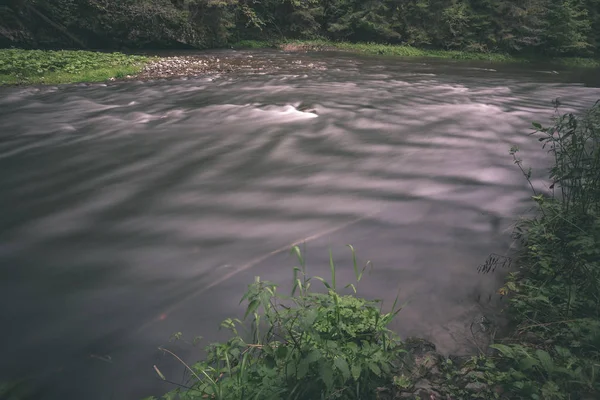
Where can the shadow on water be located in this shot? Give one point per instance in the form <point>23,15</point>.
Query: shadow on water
<point>132,211</point>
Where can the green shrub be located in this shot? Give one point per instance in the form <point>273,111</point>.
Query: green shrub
<point>309,345</point>
<point>554,351</point>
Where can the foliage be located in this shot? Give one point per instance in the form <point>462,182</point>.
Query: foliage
<point>554,352</point>
<point>31,66</point>
<point>410,51</point>
<point>310,345</point>
<point>541,27</point>
<point>406,51</point>
<point>39,62</point>
<point>252,44</point>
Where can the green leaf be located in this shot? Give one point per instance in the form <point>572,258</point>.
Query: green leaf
<point>291,368</point>
<point>310,318</point>
<point>296,281</point>
<point>563,352</point>
<point>351,285</point>
<point>324,282</point>
<point>545,360</point>
<point>297,285</point>
<point>281,352</point>
<point>327,375</point>
<point>302,369</point>
<point>298,253</point>
<point>356,370</point>
<point>332,268</point>
<point>269,362</point>
<point>342,365</point>
<point>357,274</point>
<point>313,356</point>
<point>251,308</point>
<point>536,125</point>
<point>505,350</point>
<point>375,368</point>
<point>528,363</point>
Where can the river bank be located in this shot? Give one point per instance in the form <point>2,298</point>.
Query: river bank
<point>31,67</point>
<point>409,51</point>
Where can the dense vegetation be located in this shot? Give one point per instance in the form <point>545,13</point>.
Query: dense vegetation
<point>541,27</point>
<point>554,352</point>
<point>37,66</point>
<point>327,345</point>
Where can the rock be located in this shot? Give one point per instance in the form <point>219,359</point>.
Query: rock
<point>475,375</point>
<point>476,387</point>
<point>435,373</point>
<point>383,394</point>
<point>418,345</point>
<point>425,363</point>
<point>429,359</point>
<point>459,361</point>
<point>425,390</point>
<point>427,394</point>
<point>423,384</point>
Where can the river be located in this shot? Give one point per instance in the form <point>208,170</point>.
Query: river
<point>134,210</point>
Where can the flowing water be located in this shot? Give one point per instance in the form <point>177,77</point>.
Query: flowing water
<point>135,210</point>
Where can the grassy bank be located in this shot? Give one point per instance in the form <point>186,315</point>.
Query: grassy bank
<point>333,344</point>
<point>408,51</point>
<point>54,67</point>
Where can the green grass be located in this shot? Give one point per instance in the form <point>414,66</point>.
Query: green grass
<point>409,51</point>
<point>54,67</point>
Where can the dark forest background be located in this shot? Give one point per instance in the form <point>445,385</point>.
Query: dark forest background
<point>532,27</point>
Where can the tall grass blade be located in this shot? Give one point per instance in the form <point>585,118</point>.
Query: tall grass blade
<point>332,267</point>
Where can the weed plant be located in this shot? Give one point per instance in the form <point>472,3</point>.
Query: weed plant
<point>308,345</point>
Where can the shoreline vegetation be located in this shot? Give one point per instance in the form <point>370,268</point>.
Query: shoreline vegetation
<point>31,67</point>
<point>410,51</point>
<point>330,343</point>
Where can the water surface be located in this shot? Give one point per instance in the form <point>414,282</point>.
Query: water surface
<point>135,210</point>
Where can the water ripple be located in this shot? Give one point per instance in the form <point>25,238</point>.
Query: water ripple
<point>124,200</point>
